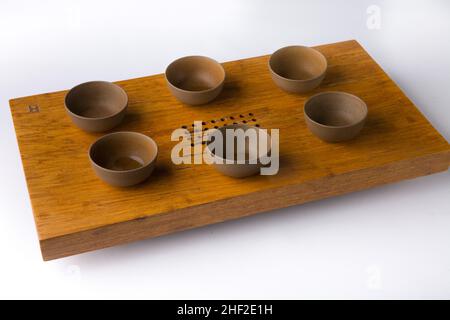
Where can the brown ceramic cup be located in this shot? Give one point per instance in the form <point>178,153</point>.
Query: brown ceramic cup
<point>297,69</point>
<point>96,106</point>
<point>195,80</point>
<point>230,166</point>
<point>335,116</point>
<point>123,158</point>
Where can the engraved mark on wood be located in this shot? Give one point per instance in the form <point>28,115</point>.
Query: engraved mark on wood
<point>33,108</point>
<point>244,118</point>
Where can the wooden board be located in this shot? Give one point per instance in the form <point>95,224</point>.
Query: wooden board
<point>75,212</point>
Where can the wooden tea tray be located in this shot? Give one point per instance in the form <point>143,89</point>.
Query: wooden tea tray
<point>76,212</point>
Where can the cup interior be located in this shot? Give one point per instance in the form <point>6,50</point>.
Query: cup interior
<point>123,151</point>
<point>96,99</point>
<point>335,109</point>
<point>248,148</point>
<point>195,73</point>
<point>298,63</point>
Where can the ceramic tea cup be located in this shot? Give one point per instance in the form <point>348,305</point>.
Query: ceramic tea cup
<point>96,106</point>
<point>335,116</point>
<point>195,80</point>
<point>249,154</point>
<point>123,158</point>
<point>297,69</point>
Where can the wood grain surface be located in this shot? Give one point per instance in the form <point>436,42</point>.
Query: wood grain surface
<point>75,212</point>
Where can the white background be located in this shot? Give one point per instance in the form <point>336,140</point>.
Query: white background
<point>388,242</point>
